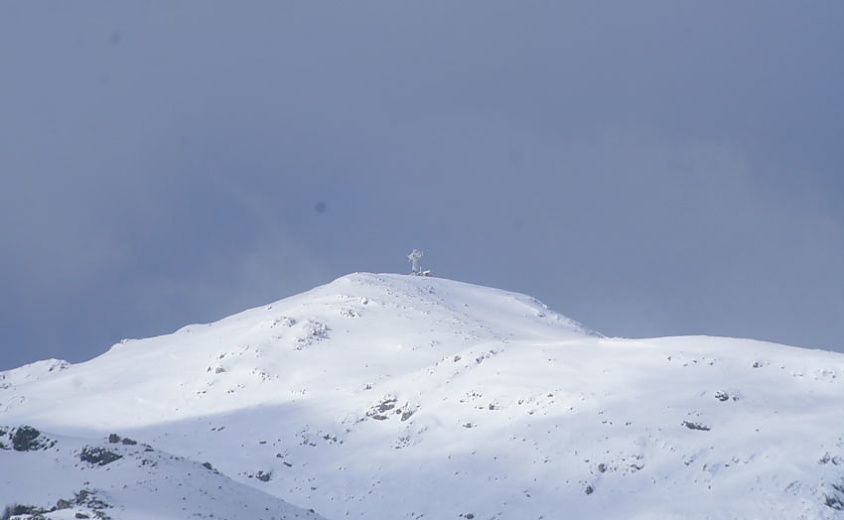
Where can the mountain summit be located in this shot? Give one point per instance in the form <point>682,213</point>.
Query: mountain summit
<point>404,397</point>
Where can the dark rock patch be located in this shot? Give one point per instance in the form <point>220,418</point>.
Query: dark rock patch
<point>723,396</point>
<point>24,438</point>
<point>89,499</point>
<point>83,498</point>
<point>835,500</point>
<point>27,438</point>
<point>98,456</point>
<point>829,459</point>
<point>18,510</point>
<point>379,411</point>
<point>696,426</point>
<point>117,439</point>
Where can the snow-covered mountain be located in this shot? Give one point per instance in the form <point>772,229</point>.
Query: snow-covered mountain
<point>400,397</point>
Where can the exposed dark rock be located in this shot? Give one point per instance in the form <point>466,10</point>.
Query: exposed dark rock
<point>386,405</point>
<point>87,498</point>
<point>24,438</point>
<point>18,509</point>
<point>114,438</point>
<point>696,426</point>
<point>724,396</point>
<point>829,459</point>
<point>379,411</point>
<point>208,466</point>
<point>589,490</point>
<point>98,456</point>
<point>836,499</point>
<point>834,502</point>
<point>331,438</point>
<point>264,477</point>
<point>27,438</point>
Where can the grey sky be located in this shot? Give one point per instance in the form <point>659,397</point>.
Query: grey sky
<point>647,168</point>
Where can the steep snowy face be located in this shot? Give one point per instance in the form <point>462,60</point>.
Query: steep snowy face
<point>388,396</point>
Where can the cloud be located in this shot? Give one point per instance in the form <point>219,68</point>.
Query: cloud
<point>652,169</point>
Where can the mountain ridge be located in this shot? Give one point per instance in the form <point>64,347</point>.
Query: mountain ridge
<point>370,395</point>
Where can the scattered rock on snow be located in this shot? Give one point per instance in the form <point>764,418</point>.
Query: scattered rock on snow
<point>379,411</point>
<point>696,426</point>
<point>98,456</point>
<point>27,438</point>
<point>117,439</point>
<point>829,459</point>
<point>835,498</point>
<point>722,396</point>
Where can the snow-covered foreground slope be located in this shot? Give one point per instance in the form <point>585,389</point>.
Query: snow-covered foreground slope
<point>391,397</point>
<point>60,477</point>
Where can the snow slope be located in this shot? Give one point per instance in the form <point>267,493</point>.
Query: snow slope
<point>121,478</point>
<point>398,397</point>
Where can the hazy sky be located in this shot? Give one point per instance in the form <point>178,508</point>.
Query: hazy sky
<point>647,168</point>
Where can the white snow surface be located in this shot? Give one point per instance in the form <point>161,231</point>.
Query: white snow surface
<point>142,484</point>
<point>403,397</point>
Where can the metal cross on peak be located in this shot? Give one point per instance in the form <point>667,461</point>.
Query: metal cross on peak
<point>415,258</point>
